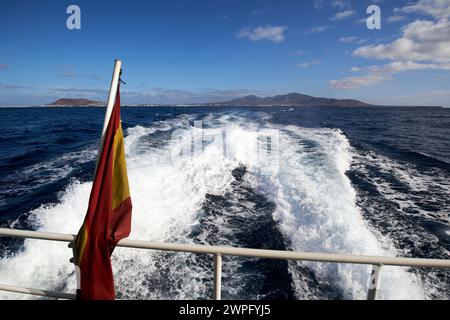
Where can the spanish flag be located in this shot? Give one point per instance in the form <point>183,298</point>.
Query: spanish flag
<point>108,218</point>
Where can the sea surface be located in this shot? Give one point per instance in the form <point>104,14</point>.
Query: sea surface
<point>339,180</point>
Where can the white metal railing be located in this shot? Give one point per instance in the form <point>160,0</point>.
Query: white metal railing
<point>376,261</point>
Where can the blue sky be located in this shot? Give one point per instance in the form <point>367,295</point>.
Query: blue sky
<point>199,51</point>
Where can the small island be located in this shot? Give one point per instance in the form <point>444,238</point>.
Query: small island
<point>65,102</point>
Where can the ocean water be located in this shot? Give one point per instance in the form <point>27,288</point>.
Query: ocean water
<point>359,181</point>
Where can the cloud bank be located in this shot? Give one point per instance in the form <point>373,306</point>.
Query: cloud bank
<point>424,45</point>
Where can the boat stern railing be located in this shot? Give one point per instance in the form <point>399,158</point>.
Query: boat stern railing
<point>218,252</point>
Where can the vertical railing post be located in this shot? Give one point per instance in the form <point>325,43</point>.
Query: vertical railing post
<point>374,283</point>
<point>73,260</point>
<point>217,276</point>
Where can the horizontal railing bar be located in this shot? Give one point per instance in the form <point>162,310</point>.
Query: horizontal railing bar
<point>255,253</point>
<point>38,292</point>
<point>62,237</point>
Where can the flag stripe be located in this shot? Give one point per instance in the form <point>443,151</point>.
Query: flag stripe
<point>120,186</point>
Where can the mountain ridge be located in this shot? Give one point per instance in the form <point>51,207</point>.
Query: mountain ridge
<point>292,99</point>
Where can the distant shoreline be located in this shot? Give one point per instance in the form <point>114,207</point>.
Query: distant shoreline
<point>219,106</point>
<point>289,100</point>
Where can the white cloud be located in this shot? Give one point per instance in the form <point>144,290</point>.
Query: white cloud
<point>356,82</point>
<point>303,65</point>
<point>317,29</point>
<point>348,39</point>
<point>352,39</point>
<point>438,9</point>
<point>395,18</point>
<point>307,64</point>
<point>342,15</point>
<point>422,41</point>
<point>402,66</point>
<point>341,4</point>
<point>377,74</point>
<point>268,32</point>
<point>424,45</point>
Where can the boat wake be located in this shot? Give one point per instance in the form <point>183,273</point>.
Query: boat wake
<point>300,199</point>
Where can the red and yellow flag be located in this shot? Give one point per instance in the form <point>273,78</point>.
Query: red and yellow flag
<point>108,218</point>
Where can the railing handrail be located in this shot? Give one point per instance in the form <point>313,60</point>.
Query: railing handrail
<point>246,252</point>
<point>218,251</point>
<point>38,292</point>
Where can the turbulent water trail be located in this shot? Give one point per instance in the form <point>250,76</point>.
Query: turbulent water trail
<point>316,210</point>
<point>305,203</point>
<point>407,205</point>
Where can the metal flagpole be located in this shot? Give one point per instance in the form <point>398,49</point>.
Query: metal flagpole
<point>109,108</point>
<point>110,105</point>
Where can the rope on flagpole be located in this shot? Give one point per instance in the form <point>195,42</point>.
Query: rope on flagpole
<point>120,77</point>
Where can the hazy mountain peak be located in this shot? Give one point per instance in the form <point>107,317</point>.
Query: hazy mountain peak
<point>293,99</point>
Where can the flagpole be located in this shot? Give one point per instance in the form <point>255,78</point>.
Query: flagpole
<point>110,103</point>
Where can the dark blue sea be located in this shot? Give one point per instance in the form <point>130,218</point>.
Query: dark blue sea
<point>339,180</point>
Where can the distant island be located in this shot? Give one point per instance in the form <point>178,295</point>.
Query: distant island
<point>291,100</point>
<point>64,102</point>
<point>286,100</point>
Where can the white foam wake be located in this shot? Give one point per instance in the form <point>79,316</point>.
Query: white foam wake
<point>316,210</point>
<point>315,202</point>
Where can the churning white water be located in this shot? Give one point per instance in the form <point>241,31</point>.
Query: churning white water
<point>315,211</point>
